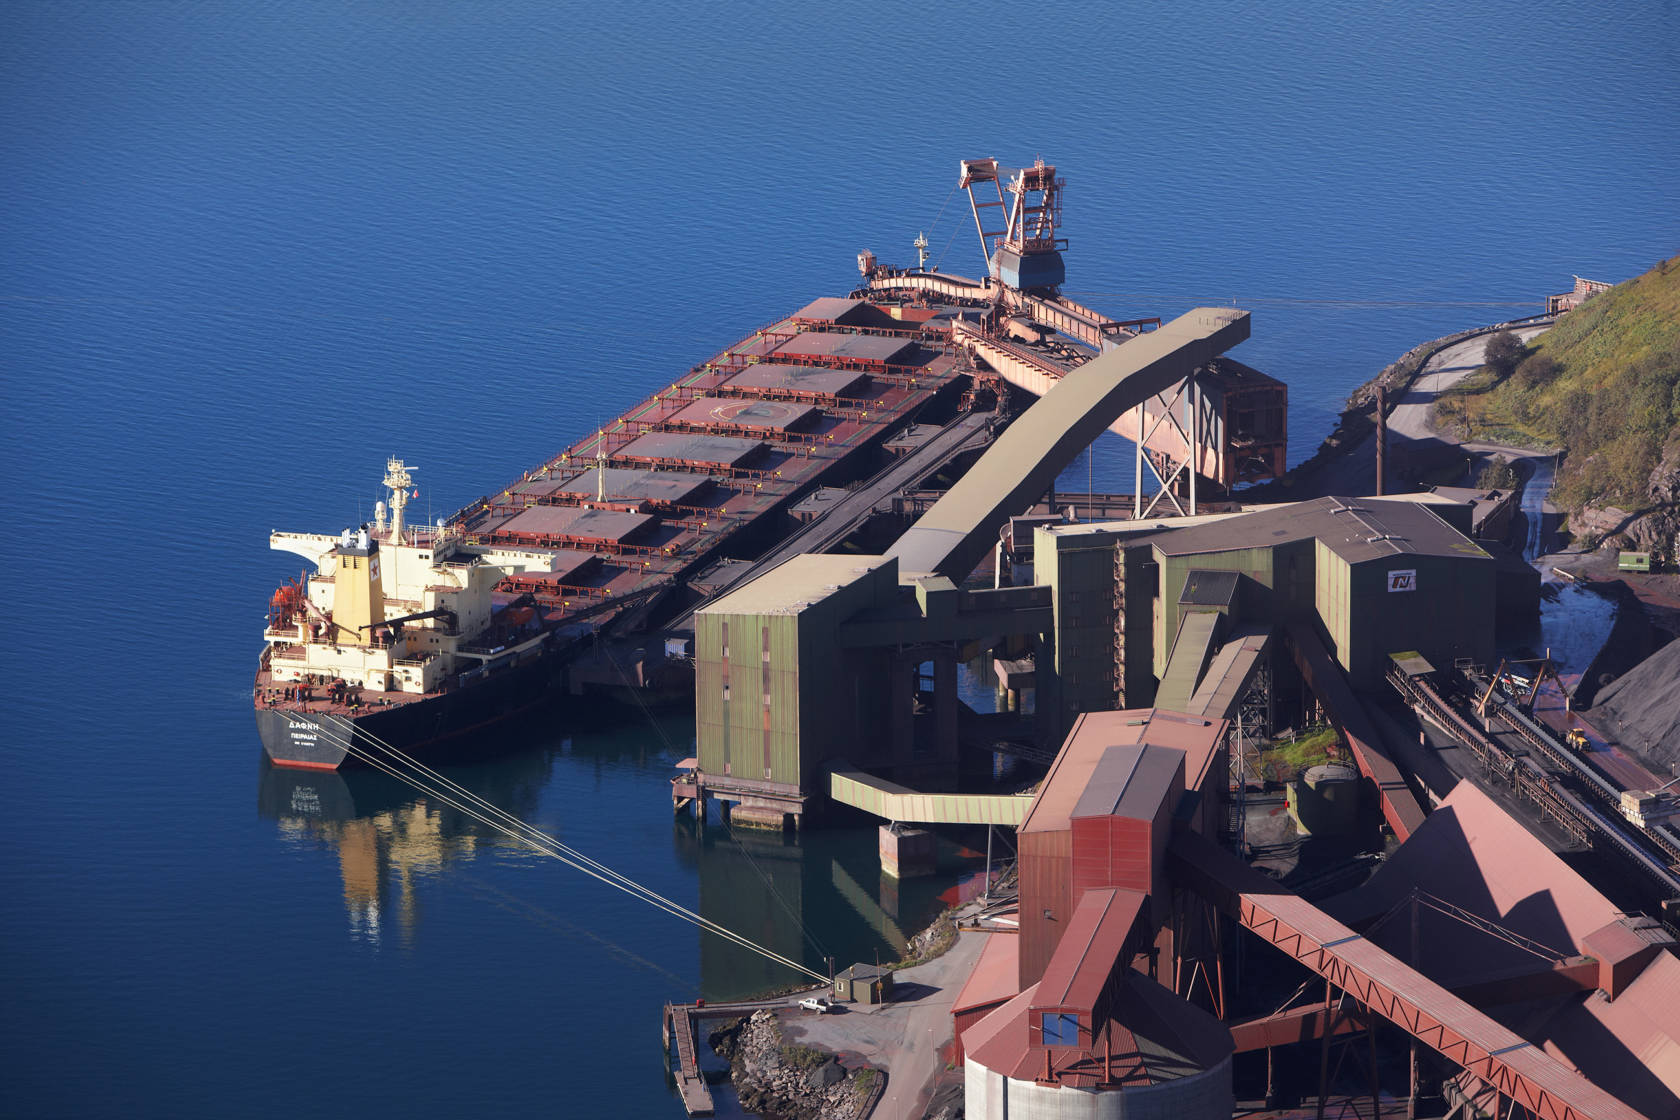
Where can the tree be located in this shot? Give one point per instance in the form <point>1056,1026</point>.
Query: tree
<point>1497,475</point>
<point>1504,351</point>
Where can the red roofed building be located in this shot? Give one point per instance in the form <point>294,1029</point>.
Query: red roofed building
<point>1088,1034</point>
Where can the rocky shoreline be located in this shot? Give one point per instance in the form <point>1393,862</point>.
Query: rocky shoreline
<point>779,1080</point>
<point>1655,527</point>
<point>783,1081</point>
<point>1358,420</point>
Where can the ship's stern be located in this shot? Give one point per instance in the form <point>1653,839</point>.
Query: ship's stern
<point>304,740</point>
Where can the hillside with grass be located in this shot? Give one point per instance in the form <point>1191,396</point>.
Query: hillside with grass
<point>1604,387</point>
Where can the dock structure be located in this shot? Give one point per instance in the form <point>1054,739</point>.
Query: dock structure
<point>1157,645</point>
<point>680,1027</point>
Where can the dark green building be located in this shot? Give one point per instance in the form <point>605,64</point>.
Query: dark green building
<point>1367,576</point>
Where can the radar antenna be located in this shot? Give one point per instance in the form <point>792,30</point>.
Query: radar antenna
<point>399,480</point>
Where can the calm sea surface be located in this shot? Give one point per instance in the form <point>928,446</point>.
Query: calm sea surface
<point>250,249</point>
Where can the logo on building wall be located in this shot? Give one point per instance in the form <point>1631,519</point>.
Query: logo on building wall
<point>1403,580</point>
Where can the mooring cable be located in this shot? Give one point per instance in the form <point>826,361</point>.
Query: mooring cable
<point>548,845</point>
<point>769,884</point>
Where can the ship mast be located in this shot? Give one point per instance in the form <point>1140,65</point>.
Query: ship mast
<point>601,465</point>
<point>398,479</point>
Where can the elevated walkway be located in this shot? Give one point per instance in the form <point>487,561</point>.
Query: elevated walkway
<point>1517,1068</point>
<point>950,538</point>
<point>891,801</point>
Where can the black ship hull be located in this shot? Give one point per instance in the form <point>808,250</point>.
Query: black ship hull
<point>449,725</point>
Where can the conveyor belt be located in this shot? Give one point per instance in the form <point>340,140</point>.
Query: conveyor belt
<point>1347,715</point>
<point>844,516</point>
<point>891,801</point>
<point>950,538</point>
<point>1579,816</point>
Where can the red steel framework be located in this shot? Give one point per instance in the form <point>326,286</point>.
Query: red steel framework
<point>1517,1069</point>
<point>1030,214</point>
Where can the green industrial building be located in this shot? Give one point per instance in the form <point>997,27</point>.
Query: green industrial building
<point>830,659</point>
<point>1364,577</point>
<point>827,658</point>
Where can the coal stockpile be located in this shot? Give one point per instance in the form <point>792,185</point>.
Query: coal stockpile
<point>1642,708</point>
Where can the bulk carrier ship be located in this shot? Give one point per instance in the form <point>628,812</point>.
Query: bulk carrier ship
<point>419,637</point>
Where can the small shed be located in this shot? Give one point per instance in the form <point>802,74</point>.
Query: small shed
<point>864,983</point>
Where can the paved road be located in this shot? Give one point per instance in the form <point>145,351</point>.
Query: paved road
<point>1410,417</point>
<point>1354,474</point>
<point>904,1037</point>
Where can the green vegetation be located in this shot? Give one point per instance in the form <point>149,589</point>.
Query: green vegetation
<point>1284,759</point>
<point>1504,351</point>
<point>863,1084</point>
<point>1604,384</point>
<point>932,942</point>
<point>1497,475</point>
<point>795,1056</point>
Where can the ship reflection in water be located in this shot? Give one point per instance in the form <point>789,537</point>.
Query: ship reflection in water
<point>807,896</point>
<point>386,835</point>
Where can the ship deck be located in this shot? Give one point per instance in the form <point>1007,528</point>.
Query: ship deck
<point>658,492</point>
<point>730,441</point>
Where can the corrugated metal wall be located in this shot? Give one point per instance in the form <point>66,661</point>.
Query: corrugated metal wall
<point>1076,673</point>
<point>1139,621</point>
<point>1046,884</point>
<point>710,675</point>
<point>1082,587</point>
<point>746,695</point>
<point>1112,852</point>
<point>1331,583</point>
<point>1253,562</point>
<point>1449,613</point>
<point>843,692</point>
<point>775,694</point>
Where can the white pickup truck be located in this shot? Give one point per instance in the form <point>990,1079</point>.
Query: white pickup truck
<point>822,1005</point>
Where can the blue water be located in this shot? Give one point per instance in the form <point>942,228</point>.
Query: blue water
<point>249,249</point>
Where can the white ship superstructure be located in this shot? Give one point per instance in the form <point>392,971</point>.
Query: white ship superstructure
<point>394,612</point>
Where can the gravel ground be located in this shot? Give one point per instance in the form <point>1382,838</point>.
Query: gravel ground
<point>907,1037</point>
